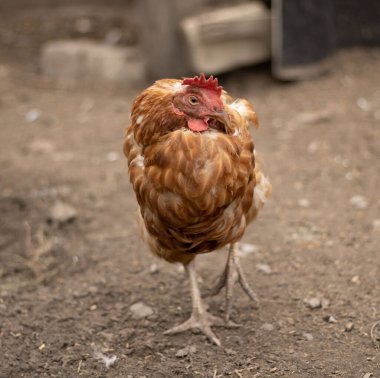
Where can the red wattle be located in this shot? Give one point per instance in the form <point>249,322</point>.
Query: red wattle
<point>196,124</point>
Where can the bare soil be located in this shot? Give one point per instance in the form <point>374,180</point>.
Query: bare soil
<point>66,287</point>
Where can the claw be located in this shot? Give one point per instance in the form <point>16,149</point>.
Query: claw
<point>202,322</point>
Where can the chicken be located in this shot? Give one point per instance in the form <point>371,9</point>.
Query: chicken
<point>193,168</point>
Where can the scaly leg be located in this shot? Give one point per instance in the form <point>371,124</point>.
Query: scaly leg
<point>200,318</point>
<point>232,273</point>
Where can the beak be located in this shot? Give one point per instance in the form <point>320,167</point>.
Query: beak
<point>221,116</point>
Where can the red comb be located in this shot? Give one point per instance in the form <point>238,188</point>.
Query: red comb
<point>201,82</point>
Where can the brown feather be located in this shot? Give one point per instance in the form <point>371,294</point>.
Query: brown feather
<point>196,191</point>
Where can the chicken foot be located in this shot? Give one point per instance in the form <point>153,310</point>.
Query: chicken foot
<point>200,319</point>
<point>232,273</point>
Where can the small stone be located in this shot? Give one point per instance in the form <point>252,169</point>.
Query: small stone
<point>329,243</point>
<point>42,346</point>
<point>349,327</point>
<point>153,269</point>
<point>308,336</point>
<point>267,327</point>
<point>329,319</point>
<point>290,321</point>
<point>112,156</point>
<point>325,303</point>
<point>264,268</point>
<point>303,202</point>
<point>180,269</point>
<point>355,279</point>
<point>349,176</point>
<point>108,361</point>
<point>230,352</point>
<point>32,115</point>
<point>363,104</point>
<point>313,302</point>
<point>236,340</point>
<point>313,147</point>
<point>360,202</point>
<point>140,310</point>
<point>367,375</point>
<point>181,353</point>
<point>93,307</point>
<point>62,212</point>
<point>246,249</point>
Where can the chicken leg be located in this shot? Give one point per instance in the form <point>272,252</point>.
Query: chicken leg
<point>200,318</point>
<point>232,273</point>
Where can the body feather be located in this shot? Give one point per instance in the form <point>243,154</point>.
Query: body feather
<point>197,191</point>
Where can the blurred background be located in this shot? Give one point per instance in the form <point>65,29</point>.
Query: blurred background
<point>71,263</point>
<point>127,41</point>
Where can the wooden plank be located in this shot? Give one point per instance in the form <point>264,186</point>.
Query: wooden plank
<point>228,37</point>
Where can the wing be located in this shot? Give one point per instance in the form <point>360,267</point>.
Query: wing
<point>259,188</point>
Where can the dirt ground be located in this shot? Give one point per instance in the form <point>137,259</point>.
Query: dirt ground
<point>66,287</point>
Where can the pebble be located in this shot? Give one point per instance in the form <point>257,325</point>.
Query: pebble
<point>355,279</point>
<point>267,327</point>
<point>303,202</point>
<point>325,303</point>
<point>367,375</point>
<point>360,202</point>
<point>112,156</point>
<point>246,249</point>
<point>153,269</point>
<point>313,147</point>
<point>313,302</point>
<point>108,361</point>
<point>181,353</point>
<point>308,336</point>
<point>32,115</point>
<point>236,339</point>
<point>317,302</point>
<point>264,268</point>
<point>363,104</point>
<point>180,269</point>
<point>230,352</point>
<point>140,310</point>
<point>62,212</point>
<point>329,319</point>
<point>349,327</point>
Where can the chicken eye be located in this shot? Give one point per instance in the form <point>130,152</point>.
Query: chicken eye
<point>193,100</point>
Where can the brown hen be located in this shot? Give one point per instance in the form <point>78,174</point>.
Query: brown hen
<point>192,165</point>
